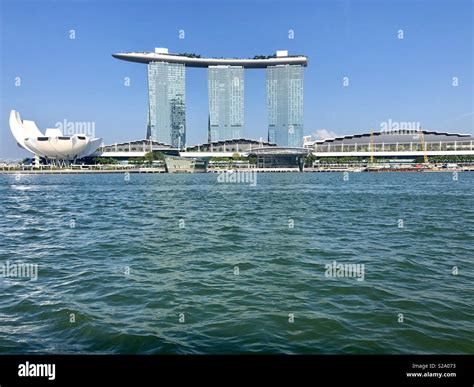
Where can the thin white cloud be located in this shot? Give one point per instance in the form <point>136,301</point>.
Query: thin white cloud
<point>322,134</point>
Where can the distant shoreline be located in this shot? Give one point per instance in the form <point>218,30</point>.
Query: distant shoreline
<point>67,171</point>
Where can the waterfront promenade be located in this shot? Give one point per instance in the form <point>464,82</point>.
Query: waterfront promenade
<point>328,168</point>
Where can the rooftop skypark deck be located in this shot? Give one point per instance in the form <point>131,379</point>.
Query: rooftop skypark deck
<point>194,60</point>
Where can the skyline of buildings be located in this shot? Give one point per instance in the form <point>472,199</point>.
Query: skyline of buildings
<point>358,73</point>
<point>226,80</point>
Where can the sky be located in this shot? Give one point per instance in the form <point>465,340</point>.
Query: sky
<point>369,62</point>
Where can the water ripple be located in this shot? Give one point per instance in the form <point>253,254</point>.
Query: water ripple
<point>183,264</point>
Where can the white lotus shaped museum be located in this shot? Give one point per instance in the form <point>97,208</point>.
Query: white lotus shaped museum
<point>53,144</point>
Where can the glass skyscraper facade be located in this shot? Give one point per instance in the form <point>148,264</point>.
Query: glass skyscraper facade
<point>166,103</point>
<point>226,102</point>
<point>285,105</point>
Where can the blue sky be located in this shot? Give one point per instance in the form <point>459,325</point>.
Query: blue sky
<point>409,79</point>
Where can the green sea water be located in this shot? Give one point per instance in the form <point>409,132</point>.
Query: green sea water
<point>164,264</point>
